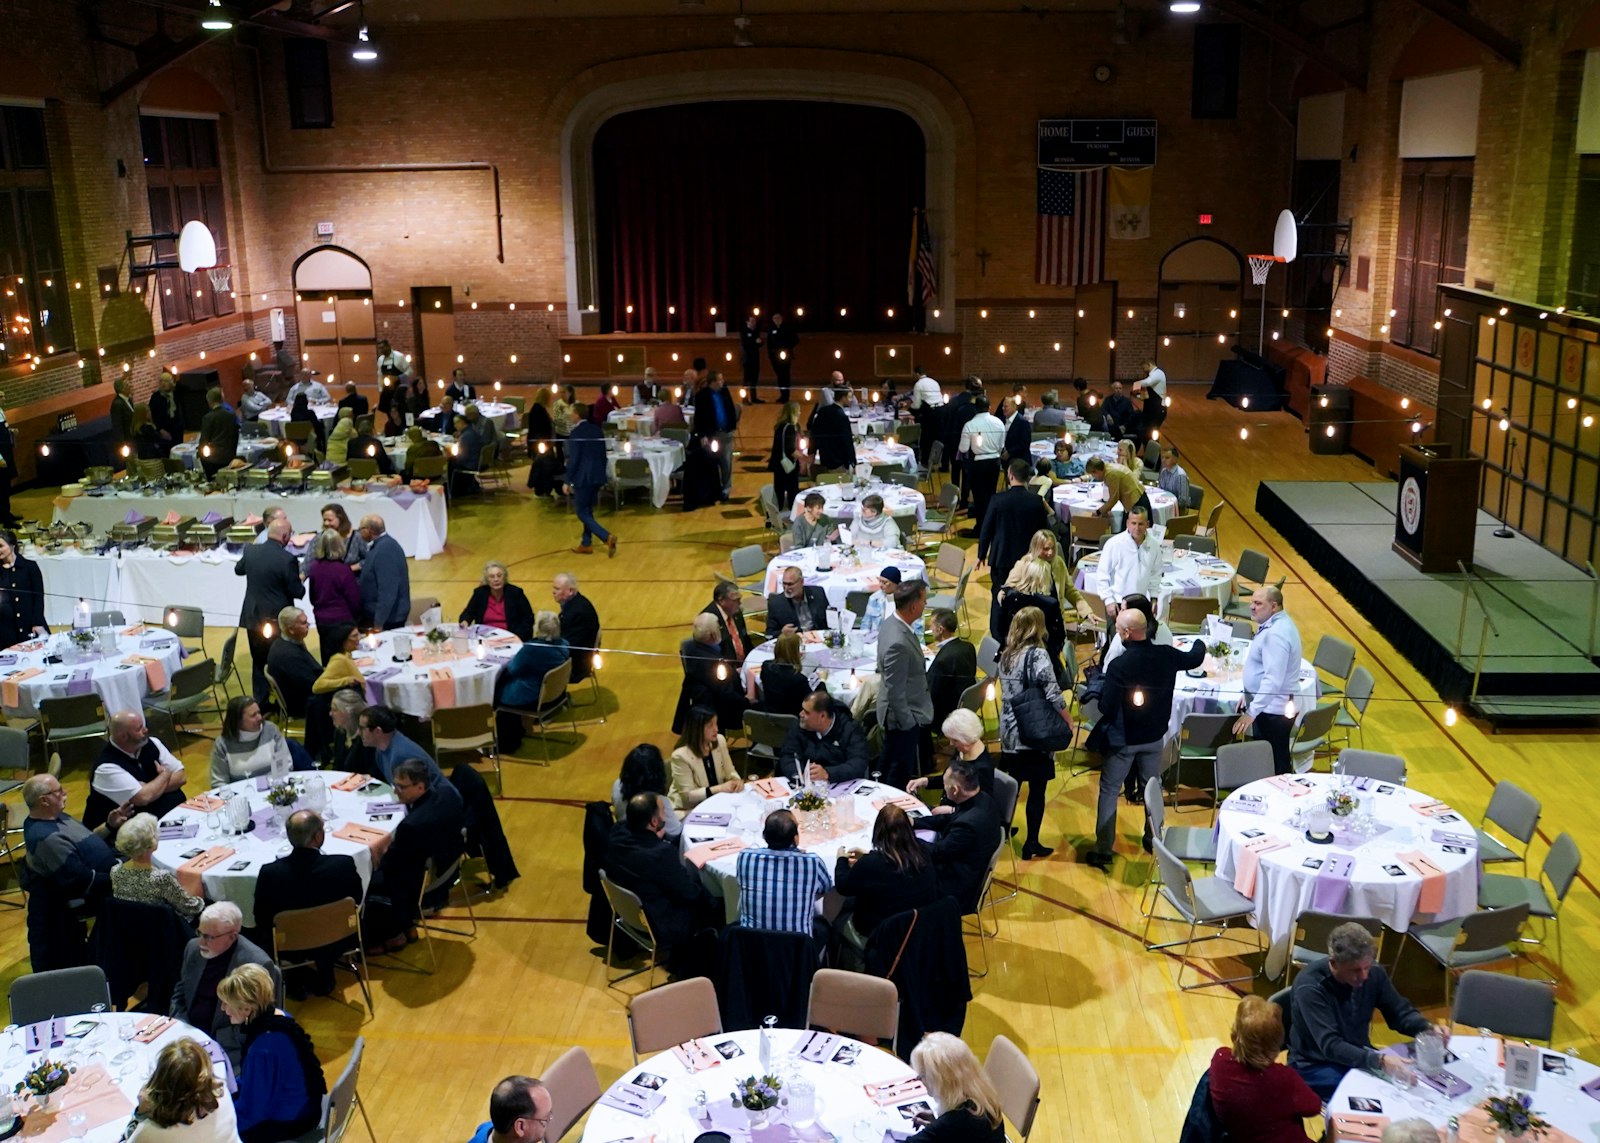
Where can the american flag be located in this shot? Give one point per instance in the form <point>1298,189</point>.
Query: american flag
<point>1072,227</point>
<point>922,259</point>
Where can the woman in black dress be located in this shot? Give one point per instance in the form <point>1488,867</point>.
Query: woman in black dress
<point>786,447</point>
<point>21,595</point>
<point>895,875</point>
<point>784,683</point>
<point>702,476</point>
<point>966,1104</point>
<point>1023,664</point>
<point>301,411</point>
<point>964,731</point>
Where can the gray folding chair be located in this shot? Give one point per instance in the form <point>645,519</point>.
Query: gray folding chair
<point>1506,1005</point>
<point>341,1100</point>
<point>58,992</point>
<point>1311,929</point>
<point>1311,736</point>
<point>1187,843</point>
<point>1560,869</point>
<point>1357,697</point>
<point>1239,764</point>
<point>1006,791</point>
<point>1336,659</point>
<point>1210,901</point>
<point>748,561</point>
<point>1517,812</point>
<point>1371,764</point>
<point>1476,940</point>
<point>627,914</point>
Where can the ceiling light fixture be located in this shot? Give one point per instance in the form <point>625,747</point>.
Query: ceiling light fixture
<point>1183,7</point>
<point>364,49</point>
<point>216,19</point>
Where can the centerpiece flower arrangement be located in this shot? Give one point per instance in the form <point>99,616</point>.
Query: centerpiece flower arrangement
<point>283,795</point>
<point>83,637</point>
<point>438,637</point>
<point>1342,803</point>
<point>1514,1115</point>
<point>757,1095</point>
<point>43,1079</point>
<point>808,801</point>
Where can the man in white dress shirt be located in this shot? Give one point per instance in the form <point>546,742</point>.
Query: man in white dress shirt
<point>925,391</point>
<point>1154,388</point>
<point>1271,676</point>
<point>1130,564</point>
<point>316,392</point>
<point>982,438</point>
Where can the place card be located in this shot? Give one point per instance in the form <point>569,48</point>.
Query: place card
<point>708,818</point>
<point>1246,804</point>
<point>1522,1067</point>
<point>639,1096</point>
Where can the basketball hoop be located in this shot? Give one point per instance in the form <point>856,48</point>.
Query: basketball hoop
<point>1261,265</point>
<point>222,278</point>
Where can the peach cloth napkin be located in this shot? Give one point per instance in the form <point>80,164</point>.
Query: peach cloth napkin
<point>374,839</point>
<point>1359,1128</point>
<point>352,783</point>
<point>1430,809</point>
<point>205,803</point>
<point>154,673</point>
<point>136,629</point>
<point>10,695</point>
<point>1432,898</point>
<point>1288,785</point>
<point>1249,858</point>
<point>442,682</point>
<point>904,801</point>
<point>189,872</point>
<point>701,854</point>
<point>770,788</point>
<point>91,1091</point>
<point>695,1056</point>
<point>151,1028</point>
<point>1475,1126</point>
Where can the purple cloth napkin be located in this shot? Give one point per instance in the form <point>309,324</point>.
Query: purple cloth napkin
<point>211,518</point>
<point>375,684</point>
<point>1447,1084</point>
<point>264,782</point>
<point>927,835</point>
<point>9,660</point>
<point>403,496</point>
<point>218,1056</point>
<point>1333,884</point>
<point>133,516</point>
<point>266,819</point>
<point>82,681</point>
<point>1592,1088</point>
<point>326,466</point>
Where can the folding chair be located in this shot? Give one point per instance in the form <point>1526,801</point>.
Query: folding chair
<point>1560,870</point>
<point>468,730</point>
<point>553,696</point>
<point>1187,843</point>
<point>434,883</point>
<point>1506,1005</point>
<point>673,1014</point>
<point>1370,764</point>
<point>420,606</point>
<point>186,623</point>
<point>186,691</point>
<point>1476,940</point>
<point>627,914</point>
<point>574,1088</point>
<point>1336,659</point>
<point>1252,571</point>
<point>285,720</point>
<point>304,930</point>
<point>341,1099</point>
<point>1210,901</point>
<point>1310,944</point>
<point>1515,811</point>
<point>59,992</point>
<point>1017,1082</point>
<point>1357,696</point>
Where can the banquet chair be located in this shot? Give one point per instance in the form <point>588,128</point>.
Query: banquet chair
<point>1310,943</point>
<point>1560,869</point>
<point>1335,658</point>
<point>929,470</point>
<point>285,720</point>
<point>766,732</point>
<point>950,562</point>
<point>227,669</point>
<point>856,602</point>
<point>305,930</point>
<point>186,623</point>
<point>673,1014</point>
<point>58,992</point>
<point>112,618</point>
<point>186,692</point>
<point>341,1100</point>
<point>1284,999</point>
<point>1371,764</point>
<point>1195,544</point>
<point>630,472</point>
<point>1210,901</point>
<point>1478,939</point>
<point>1200,738</point>
<point>468,730</point>
<point>552,697</point>
<point>72,718</point>
<point>1357,697</point>
<point>1212,519</point>
<point>1506,1005</point>
<point>420,606</point>
<point>1006,792</point>
<point>1187,614</point>
<point>955,599</point>
<point>1188,843</point>
<point>882,472</point>
<point>855,1004</point>
<point>986,897</point>
<point>1239,764</point>
<point>786,543</point>
<point>1312,735</point>
<point>745,562</point>
<point>978,695</point>
<point>8,850</point>
<point>574,1088</point>
<point>1515,811</point>
<point>439,885</point>
<point>1087,532</point>
<point>362,467</point>
<point>830,478</point>
<point>627,914</point>
<point>679,433</point>
<point>942,520</point>
<point>1252,571</point>
<point>1197,497</point>
<point>1017,1082</point>
<point>1182,524</point>
<point>907,434</point>
<point>904,479</point>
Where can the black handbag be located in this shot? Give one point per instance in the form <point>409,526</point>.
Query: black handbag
<point>1039,721</point>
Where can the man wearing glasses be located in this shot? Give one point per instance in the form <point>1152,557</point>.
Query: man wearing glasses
<point>430,831</point>
<point>67,872</point>
<point>797,607</point>
<point>217,951</point>
<point>520,1111</point>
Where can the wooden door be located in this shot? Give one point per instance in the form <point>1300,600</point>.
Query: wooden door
<point>1092,356</point>
<point>435,328</point>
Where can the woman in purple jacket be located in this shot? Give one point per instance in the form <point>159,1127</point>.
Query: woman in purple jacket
<point>335,594</point>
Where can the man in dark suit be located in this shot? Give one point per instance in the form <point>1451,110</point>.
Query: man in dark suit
<point>750,351</point>
<point>727,605</point>
<point>354,401</point>
<point>220,948</point>
<point>164,412</point>
<point>580,623</point>
<point>954,667</point>
<point>272,582</point>
<point>1019,431</point>
<point>121,413</point>
<point>292,663</point>
<point>824,743</point>
<point>385,577</point>
<point>702,659</point>
<point>781,341</point>
<point>219,432</point>
<point>1008,528</point>
<point>304,879</point>
<point>430,831</point>
<point>969,830</point>
<point>797,607</point>
<point>676,903</point>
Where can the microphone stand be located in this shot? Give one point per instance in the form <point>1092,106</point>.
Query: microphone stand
<point>1503,531</point>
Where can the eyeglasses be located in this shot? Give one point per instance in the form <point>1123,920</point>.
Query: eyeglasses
<point>219,936</point>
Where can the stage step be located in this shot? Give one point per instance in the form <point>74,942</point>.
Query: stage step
<point>1526,710</point>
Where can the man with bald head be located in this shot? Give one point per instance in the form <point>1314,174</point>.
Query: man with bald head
<point>1135,705</point>
<point>134,771</point>
<point>1271,676</point>
<point>520,1110</point>
<point>272,582</point>
<point>385,578</point>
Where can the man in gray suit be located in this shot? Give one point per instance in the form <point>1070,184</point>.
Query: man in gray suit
<point>905,705</point>
<point>217,951</point>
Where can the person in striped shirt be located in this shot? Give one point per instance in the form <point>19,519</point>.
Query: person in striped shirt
<point>779,886</point>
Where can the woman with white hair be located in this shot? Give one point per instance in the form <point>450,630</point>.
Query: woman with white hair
<point>281,1084</point>
<point>710,675</point>
<point>136,879</point>
<point>497,602</point>
<point>967,1106</point>
<point>963,729</point>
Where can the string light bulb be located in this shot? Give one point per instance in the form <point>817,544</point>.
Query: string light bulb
<point>1450,716</point>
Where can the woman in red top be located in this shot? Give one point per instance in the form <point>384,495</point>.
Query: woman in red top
<point>1255,1097</point>
<point>497,602</point>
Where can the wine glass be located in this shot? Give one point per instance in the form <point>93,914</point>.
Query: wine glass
<point>77,1121</point>
<point>213,824</point>
<point>126,1030</point>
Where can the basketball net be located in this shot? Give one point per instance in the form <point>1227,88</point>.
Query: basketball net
<point>221,278</point>
<point>1260,266</point>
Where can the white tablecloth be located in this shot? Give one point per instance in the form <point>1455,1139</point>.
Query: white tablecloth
<point>664,455</point>
<point>1222,690</point>
<point>1106,450</point>
<point>1082,499</point>
<point>411,688</point>
<point>887,452</point>
<point>638,419</point>
<point>843,1109</point>
<point>278,416</point>
<point>846,575</point>
<point>850,679</point>
<point>120,685</point>
<point>1559,1099</point>
<point>266,842</point>
<point>250,448</point>
<point>1285,884</point>
<point>1183,572</point>
<point>74,575</point>
<point>876,420</point>
<point>420,525</point>
<point>503,415</point>
<point>843,498</point>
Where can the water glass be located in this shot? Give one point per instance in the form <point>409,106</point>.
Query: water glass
<point>802,1104</point>
<point>1430,1053</point>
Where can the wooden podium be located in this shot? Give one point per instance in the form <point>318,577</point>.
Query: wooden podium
<point>1436,511</point>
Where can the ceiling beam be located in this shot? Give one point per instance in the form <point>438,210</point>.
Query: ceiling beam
<point>274,21</point>
<point>147,68</point>
<point>1292,40</point>
<point>1506,47</point>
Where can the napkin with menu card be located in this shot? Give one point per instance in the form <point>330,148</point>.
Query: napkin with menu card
<point>375,683</point>
<point>904,801</point>
<point>1359,1128</point>
<point>1333,883</point>
<point>695,1056</point>
<point>711,850</point>
<point>634,1098</point>
<point>151,1028</point>
<point>205,803</point>
<point>442,683</point>
<point>189,872</point>
<point>1430,809</point>
<point>1249,859</point>
<point>10,694</point>
<point>840,789</point>
<point>1447,837</point>
<point>1294,787</point>
<point>1432,897</point>
<point>707,818</point>
<point>895,1091</point>
<point>178,830</point>
<point>154,673</point>
<point>1246,804</point>
<point>770,788</point>
<point>352,783</point>
<point>81,682</point>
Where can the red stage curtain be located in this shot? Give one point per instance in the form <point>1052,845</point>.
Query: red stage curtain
<point>774,204</point>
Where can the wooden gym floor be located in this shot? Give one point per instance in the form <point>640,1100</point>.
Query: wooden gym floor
<point>1071,984</point>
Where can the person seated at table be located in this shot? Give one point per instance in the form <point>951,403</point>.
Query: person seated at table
<point>1117,414</point>
<point>21,595</point>
<point>832,438</point>
<point>779,886</point>
<point>683,915</point>
<point>873,528</point>
<point>1050,415</point>
<point>648,390</point>
<point>701,765</point>
<point>183,1101</point>
<point>252,401</point>
<point>1042,480</point>
<point>303,879</point>
<point>896,874</point>
<point>419,446</point>
<point>1331,1007</point>
<point>1066,465</point>
<point>881,604</point>
<point>784,683</point>
<point>521,679</point>
<point>341,673</point>
<point>460,390</point>
<point>443,419</point>
<point>797,607</point>
<point>340,436</point>
<point>497,602</point>
<point>430,831</point>
<point>301,411</point>
<point>727,608</point>
<point>133,770</point>
<point>220,948</point>
<point>136,879</point>
<point>485,427</point>
<point>365,446</point>
<point>519,1109</point>
<point>644,771</point>
<point>1253,1095</point>
<point>667,413</point>
<point>347,751</point>
<point>955,664</point>
<point>963,729</point>
<point>604,403</point>
<point>825,743</point>
<point>354,401</point>
<point>291,662</point>
<point>966,1105</point>
<point>248,745</point>
<point>969,829</point>
<point>812,527</point>
<point>314,391</point>
<point>145,437</point>
<point>710,677</point>
<point>379,727</point>
<point>281,1083</point>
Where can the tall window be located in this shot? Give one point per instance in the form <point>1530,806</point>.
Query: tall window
<point>184,174</point>
<point>1430,246</point>
<point>37,320</point>
<point>1583,279</point>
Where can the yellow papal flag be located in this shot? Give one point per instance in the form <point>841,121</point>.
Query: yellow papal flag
<point>1129,203</point>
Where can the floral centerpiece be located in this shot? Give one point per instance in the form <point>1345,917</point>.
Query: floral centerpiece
<point>1514,1115</point>
<point>438,637</point>
<point>283,795</point>
<point>757,1095</point>
<point>1342,803</point>
<point>808,801</point>
<point>82,637</point>
<point>44,1079</point>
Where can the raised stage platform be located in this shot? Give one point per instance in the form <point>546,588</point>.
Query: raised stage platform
<point>1536,671</point>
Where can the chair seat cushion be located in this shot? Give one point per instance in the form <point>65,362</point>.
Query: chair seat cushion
<point>1491,848</point>
<point>1191,843</point>
<point>1498,890</point>
<point>1215,898</point>
<point>1305,957</point>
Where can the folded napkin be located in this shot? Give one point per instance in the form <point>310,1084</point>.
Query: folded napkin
<point>1332,884</point>
<point>376,840</point>
<point>189,872</point>
<point>205,803</point>
<point>134,516</point>
<point>364,661</point>
<point>1249,862</point>
<point>1430,809</point>
<point>152,1027</point>
<point>250,521</point>
<point>1294,787</point>
<point>1592,1088</point>
<point>442,682</point>
<point>1475,1126</point>
<point>695,1056</point>
<point>701,854</point>
<point>81,682</point>
<point>1359,1128</point>
<point>1446,837</point>
<point>171,517</point>
<point>212,518</point>
<point>1432,898</point>
<point>175,830</point>
<point>154,673</point>
<point>90,1092</point>
<point>375,684</point>
<point>706,818</point>
<point>352,783</point>
<point>904,801</point>
<point>10,694</point>
<point>895,1091</point>
<point>840,789</point>
<point>770,787</point>
<point>1246,804</point>
<point>8,660</point>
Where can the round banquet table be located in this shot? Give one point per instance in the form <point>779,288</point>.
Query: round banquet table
<point>446,676</point>
<point>843,1108</point>
<point>250,449</point>
<point>638,419</point>
<point>1559,1100</point>
<point>1183,572</point>
<point>854,812</point>
<point>397,447</point>
<point>1082,499</point>
<point>111,1072</point>
<point>1222,689</point>
<point>503,415</point>
<point>145,661</point>
<point>1045,449</point>
<point>853,680</point>
<point>873,420</point>
<point>887,452</point>
<point>663,454</point>
<point>843,498</point>
<point>1380,883</point>
<point>847,574</point>
<point>278,416</point>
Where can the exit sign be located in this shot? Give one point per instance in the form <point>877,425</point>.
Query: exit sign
<point>1205,220</point>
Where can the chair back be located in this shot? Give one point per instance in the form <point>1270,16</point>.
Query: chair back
<point>949,495</point>
<point>1197,496</point>
<point>1311,929</point>
<point>1506,1005</point>
<point>975,696</point>
<point>297,930</point>
<point>13,751</point>
<point>555,683</point>
<point>185,622</point>
<point>1097,606</point>
<point>463,728</point>
<point>632,468</point>
<point>1195,544</point>
<point>420,605</point>
<point>1175,878</point>
<point>1240,763</point>
<point>342,1095</point>
<point>1016,1080</point>
<point>857,601</point>
<point>1317,722</point>
<point>748,560</point>
<point>1207,731</point>
<point>111,618</point>
<point>1006,792</point>
<point>225,664</point>
<point>1334,656</point>
<point>192,681</point>
<point>952,560</point>
<point>1089,530</point>
<point>278,696</point>
<point>1182,524</point>
<point>854,1004</point>
<point>677,433</point>
<point>1252,564</point>
<point>1371,764</point>
<point>1212,517</point>
<point>362,468</point>
<point>989,656</point>
<point>1242,628</point>
<point>903,478</point>
<point>298,431</point>
<point>433,881</point>
<point>764,728</point>
<point>1561,864</point>
<point>58,992</point>
<point>427,467</point>
<point>1514,810</point>
<point>830,478</point>
<point>73,715</point>
<point>673,1014</point>
<point>1283,998</point>
<point>1191,610</point>
<point>629,910</point>
<point>908,434</point>
<point>574,1087</point>
<point>1155,808</point>
<point>935,457</point>
<point>1358,690</point>
<point>1490,929</point>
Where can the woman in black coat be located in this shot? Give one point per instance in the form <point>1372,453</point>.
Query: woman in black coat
<point>895,875</point>
<point>301,411</point>
<point>786,447</point>
<point>21,595</point>
<point>496,602</point>
<point>702,477</point>
<point>784,684</point>
<point>832,442</point>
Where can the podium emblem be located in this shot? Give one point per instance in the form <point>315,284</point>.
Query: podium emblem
<point>1410,506</point>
